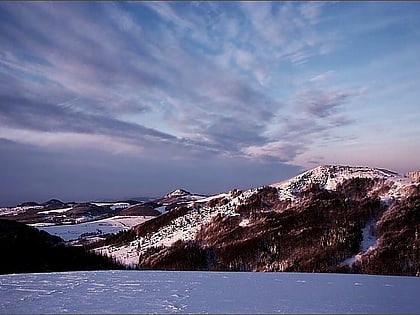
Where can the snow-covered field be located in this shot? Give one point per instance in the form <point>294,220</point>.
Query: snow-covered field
<point>206,292</point>
<point>110,225</point>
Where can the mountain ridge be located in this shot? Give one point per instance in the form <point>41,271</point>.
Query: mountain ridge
<point>332,204</point>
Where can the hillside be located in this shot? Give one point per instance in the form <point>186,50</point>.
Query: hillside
<point>329,219</point>
<point>26,249</point>
<point>56,212</point>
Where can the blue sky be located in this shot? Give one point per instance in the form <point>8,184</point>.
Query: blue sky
<point>126,99</point>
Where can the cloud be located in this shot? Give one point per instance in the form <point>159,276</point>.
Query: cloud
<point>67,141</point>
<point>320,103</point>
<point>322,77</point>
<point>311,11</point>
<point>160,76</point>
<point>286,31</point>
<point>316,116</point>
<point>26,114</point>
<point>280,150</point>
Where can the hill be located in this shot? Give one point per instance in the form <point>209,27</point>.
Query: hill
<point>328,219</point>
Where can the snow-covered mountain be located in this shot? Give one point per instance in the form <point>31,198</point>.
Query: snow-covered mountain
<point>329,176</point>
<point>177,197</point>
<point>177,193</point>
<point>330,218</point>
<point>335,205</point>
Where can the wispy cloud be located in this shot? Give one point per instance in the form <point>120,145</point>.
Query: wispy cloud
<point>317,113</point>
<point>320,104</point>
<point>91,73</point>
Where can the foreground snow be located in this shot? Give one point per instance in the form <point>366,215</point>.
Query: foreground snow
<point>206,292</point>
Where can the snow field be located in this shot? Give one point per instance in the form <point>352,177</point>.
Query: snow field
<point>163,292</point>
<point>104,226</point>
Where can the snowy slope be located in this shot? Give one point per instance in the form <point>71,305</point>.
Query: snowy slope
<point>182,228</point>
<point>126,292</point>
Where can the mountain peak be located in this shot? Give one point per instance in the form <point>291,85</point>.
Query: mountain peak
<point>329,176</point>
<point>177,193</point>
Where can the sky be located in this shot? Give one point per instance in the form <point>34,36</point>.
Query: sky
<point>109,100</point>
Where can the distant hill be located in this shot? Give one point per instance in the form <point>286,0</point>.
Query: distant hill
<point>57,212</point>
<point>143,209</point>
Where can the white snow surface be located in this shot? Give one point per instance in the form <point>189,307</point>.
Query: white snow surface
<point>112,205</point>
<point>165,292</point>
<point>370,239</point>
<point>207,199</point>
<point>55,211</point>
<point>177,193</point>
<point>17,210</point>
<point>120,205</point>
<point>104,226</point>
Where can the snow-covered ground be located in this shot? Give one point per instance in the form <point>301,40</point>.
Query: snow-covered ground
<point>110,225</point>
<point>55,211</point>
<point>126,292</point>
<point>16,210</point>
